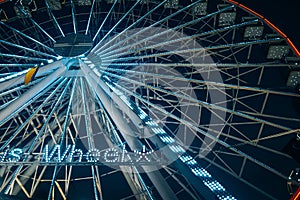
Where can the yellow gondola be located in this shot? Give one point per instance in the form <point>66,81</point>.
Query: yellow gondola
<point>29,76</point>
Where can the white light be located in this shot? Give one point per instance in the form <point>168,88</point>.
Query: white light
<point>65,152</point>
<point>93,155</point>
<point>158,130</point>
<point>4,154</point>
<point>111,155</point>
<point>277,51</point>
<point>253,32</point>
<point>151,123</point>
<point>92,65</point>
<point>214,185</point>
<point>50,61</point>
<point>143,115</point>
<point>177,149</point>
<point>143,154</point>
<point>15,155</point>
<point>73,152</point>
<point>13,75</point>
<point>166,138</point>
<point>56,150</point>
<point>200,171</point>
<point>185,158</point>
<point>228,197</point>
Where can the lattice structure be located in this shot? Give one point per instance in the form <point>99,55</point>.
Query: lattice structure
<point>162,99</point>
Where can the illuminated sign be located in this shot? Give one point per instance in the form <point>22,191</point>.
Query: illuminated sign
<point>70,154</point>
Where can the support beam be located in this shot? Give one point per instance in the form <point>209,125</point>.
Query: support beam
<point>27,49</point>
<point>103,22</point>
<point>33,143</point>
<point>156,178</point>
<point>172,41</point>
<point>29,119</point>
<point>14,81</point>
<point>54,18</point>
<point>20,103</point>
<point>108,71</point>
<point>73,17</point>
<point>96,49</point>
<point>90,17</point>
<point>117,57</point>
<point>28,37</point>
<point>200,183</point>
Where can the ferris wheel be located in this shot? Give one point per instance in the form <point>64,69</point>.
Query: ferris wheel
<point>146,99</point>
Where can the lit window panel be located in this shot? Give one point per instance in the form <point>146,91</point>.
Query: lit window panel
<point>227,18</point>
<point>294,79</point>
<point>200,9</point>
<point>172,4</point>
<point>253,32</point>
<point>84,2</point>
<point>277,52</point>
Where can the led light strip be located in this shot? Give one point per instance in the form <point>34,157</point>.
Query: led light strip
<point>188,160</point>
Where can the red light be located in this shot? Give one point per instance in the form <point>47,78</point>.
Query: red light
<point>296,196</point>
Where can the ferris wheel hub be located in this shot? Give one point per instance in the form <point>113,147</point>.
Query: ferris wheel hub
<point>73,45</point>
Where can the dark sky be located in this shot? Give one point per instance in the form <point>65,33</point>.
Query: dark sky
<point>285,14</point>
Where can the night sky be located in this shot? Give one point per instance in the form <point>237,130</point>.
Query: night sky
<point>285,14</point>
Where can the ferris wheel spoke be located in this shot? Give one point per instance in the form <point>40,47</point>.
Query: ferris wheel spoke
<point>53,181</point>
<point>138,20</point>
<point>27,49</point>
<point>39,27</point>
<point>23,57</point>
<point>272,116</point>
<point>54,18</point>
<point>99,51</point>
<point>17,79</point>
<point>73,16</point>
<point>90,139</point>
<point>243,142</point>
<point>202,103</point>
<point>136,188</point>
<point>170,77</point>
<point>187,51</point>
<point>87,119</point>
<point>105,19</point>
<point>239,139</point>
<point>24,66</point>
<point>90,17</point>
<point>240,75</point>
<point>156,178</point>
<point>206,66</point>
<point>197,83</point>
<point>221,142</point>
<point>96,49</point>
<point>191,192</point>
<point>28,37</point>
<point>175,42</point>
<point>36,91</point>
<point>33,144</point>
<point>67,115</point>
<point>120,20</point>
<point>24,124</point>
<point>207,134</point>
